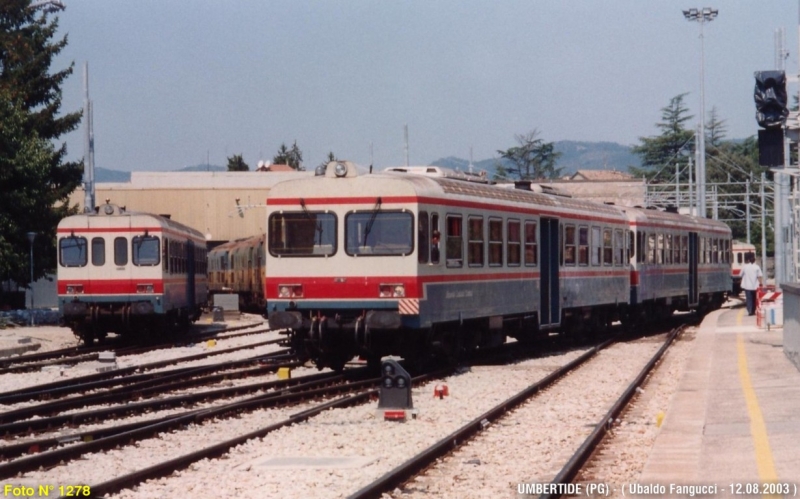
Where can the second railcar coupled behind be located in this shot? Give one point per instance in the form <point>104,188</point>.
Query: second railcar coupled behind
<point>420,260</point>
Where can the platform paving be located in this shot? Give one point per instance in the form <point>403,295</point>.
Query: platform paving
<point>735,418</point>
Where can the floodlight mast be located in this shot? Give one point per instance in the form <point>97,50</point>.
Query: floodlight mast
<point>701,16</point>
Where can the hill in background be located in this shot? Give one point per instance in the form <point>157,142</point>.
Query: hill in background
<point>574,156</point>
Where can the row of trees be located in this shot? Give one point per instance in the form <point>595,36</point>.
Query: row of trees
<point>286,156</point>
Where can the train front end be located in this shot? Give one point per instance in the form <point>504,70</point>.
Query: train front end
<point>342,272</point>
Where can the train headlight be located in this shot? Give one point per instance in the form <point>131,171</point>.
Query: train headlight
<point>144,288</point>
<point>340,169</point>
<point>392,291</point>
<point>74,289</point>
<point>290,291</point>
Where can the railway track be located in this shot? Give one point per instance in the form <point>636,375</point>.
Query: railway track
<point>401,478</point>
<point>75,355</point>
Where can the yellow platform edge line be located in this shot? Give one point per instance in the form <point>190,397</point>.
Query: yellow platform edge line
<point>758,429</point>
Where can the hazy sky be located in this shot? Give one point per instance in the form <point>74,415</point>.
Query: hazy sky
<point>176,81</point>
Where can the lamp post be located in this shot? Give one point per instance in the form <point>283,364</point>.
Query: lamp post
<point>702,16</point>
<point>31,238</point>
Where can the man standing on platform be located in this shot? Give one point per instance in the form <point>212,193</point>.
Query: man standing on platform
<point>751,280</point>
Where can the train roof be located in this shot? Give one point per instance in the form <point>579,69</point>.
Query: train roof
<point>110,211</point>
<point>424,182</point>
<point>646,216</point>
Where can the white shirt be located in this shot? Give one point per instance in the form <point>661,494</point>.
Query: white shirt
<point>750,274</point>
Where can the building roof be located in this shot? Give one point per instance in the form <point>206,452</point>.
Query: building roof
<point>601,175</point>
<point>275,168</point>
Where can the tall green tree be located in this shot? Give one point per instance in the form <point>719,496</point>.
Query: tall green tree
<point>236,164</point>
<point>34,178</point>
<point>292,157</point>
<point>661,153</point>
<point>532,159</point>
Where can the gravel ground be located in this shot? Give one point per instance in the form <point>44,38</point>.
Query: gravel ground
<point>342,450</point>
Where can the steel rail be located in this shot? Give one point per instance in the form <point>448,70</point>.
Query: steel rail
<point>584,452</point>
<point>131,369</point>
<point>424,459</point>
<point>107,438</point>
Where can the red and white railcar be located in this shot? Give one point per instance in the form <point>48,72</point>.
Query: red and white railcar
<point>355,267</point>
<point>130,273</point>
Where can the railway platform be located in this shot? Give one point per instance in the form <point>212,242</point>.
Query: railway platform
<point>734,422</point>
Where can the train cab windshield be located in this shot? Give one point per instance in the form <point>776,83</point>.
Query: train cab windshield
<point>146,250</point>
<point>379,233</point>
<point>72,251</point>
<point>305,233</point>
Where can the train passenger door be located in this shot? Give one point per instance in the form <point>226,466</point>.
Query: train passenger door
<point>190,275</point>
<point>693,257</point>
<point>550,311</point>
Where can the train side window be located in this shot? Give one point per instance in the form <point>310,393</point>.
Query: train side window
<point>619,247</point>
<point>641,249</point>
<point>531,247</point>
<point>454,246</point>
<point>72,251</point>
<point>597,247</point>
<point>569,245</point>
<point>631,246</point>
<point>716,250</point>
<point>98,251</point>
<point>120,251</point>
<point>676,249</point>
<point>608,250</point>
<point>651,248</point>
<point>495,242</point>
<point>165,254</point>
<point>583,246</point>
<point>435,234</point>
<point>423,238</point>
<point>145,250</point>
<point>475,247</point>
<point>684,249</point>
<point>668,248</point>
<point>514,248</point>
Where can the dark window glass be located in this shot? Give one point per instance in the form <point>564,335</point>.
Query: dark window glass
<point>455,241</point>
<point>302,234</point>
<point>475,246</point>
<point>145,250</point>
<point>120,251</point>
<point>72,251</point>
<point>423,237</point>
<point>514,243</point>
<point>495,242</point>
<point>531,249</point>
<point>583,246</point>
<point>379,233</point>
<point>98,251</point>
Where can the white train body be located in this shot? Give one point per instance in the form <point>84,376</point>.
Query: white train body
<point>128,273</point>
<point>353,271</point>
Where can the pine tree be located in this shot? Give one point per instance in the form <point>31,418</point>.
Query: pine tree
<point>35,179</point>
<point>675,144</point>
<point>533,159</point>
<point>236,164</point>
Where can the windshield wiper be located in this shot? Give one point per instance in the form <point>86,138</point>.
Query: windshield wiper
<point>371,221</point>
<point>317,224</point>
